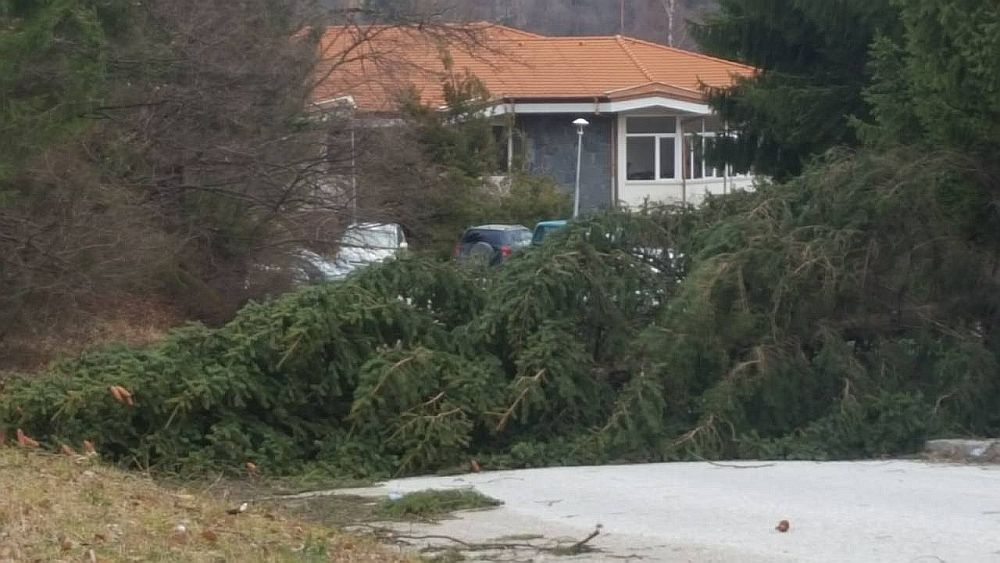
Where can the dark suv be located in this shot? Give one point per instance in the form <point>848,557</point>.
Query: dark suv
<point>492,244</point>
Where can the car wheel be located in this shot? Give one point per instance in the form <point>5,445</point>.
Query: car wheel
<point>481,254</point>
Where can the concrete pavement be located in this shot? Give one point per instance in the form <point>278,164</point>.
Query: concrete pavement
<point>905,511</point>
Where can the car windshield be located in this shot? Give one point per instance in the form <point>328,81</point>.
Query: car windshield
<point>369,238</point>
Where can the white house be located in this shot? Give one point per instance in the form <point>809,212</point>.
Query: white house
<point>648,119</point>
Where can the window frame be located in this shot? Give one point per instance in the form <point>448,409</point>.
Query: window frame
<point>702,135</point>
<point>689,158</point>
<point>656,148</point>
<point>723,172</point>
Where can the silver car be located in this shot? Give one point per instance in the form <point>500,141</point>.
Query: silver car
<point>367,243</point>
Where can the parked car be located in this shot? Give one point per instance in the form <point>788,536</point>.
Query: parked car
<point>310,267</point>
<point>543,228</point>
<point>368,243</point>
<point>299,267</point>
<point>492,244</point>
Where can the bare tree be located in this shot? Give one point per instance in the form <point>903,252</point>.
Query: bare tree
<point>239,161</point>
<point>203,159</point>
<point>670,7</point>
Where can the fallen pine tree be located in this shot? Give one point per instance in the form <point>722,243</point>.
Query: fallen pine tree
<point>404,367</point>
<point>845,314</point>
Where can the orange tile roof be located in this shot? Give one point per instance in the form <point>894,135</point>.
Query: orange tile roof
<point>375,64</point>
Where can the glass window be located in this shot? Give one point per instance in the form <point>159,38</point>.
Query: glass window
<point>695,165</point>
<point>517,158</point>
<point>699,134</point>
<point>369,237</point>
<point>500,145</point>
<point>489,236</point>
<point>519,238</point>
<point>640,156</point>
<point>667,166</point>
<point>650,125</point>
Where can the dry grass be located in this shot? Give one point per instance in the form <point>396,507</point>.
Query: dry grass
<point>53,508</point>
<point>50,335</point>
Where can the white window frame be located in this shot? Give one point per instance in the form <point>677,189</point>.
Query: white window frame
<point>722,173</point>
<point>689,156</point>
<point>701,136</point>
<point>656,148</point>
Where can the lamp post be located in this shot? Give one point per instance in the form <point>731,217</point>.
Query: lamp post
<point>580,124</point>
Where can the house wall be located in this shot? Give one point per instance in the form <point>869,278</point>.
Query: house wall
<point>550,149</point>
<point>637,194</point>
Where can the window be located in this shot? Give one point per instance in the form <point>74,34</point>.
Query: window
<point>640,153</point>
<point>472,236</point>
<point>667,164</point>
<point>371,236</point>
<point>698,135</point>
<point>651,125</point>
<point>509,144</point>
<point>650,148</point>
<point>519,238</point>
<point>501,161</point>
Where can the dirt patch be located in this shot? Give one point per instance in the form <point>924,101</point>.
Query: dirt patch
<point>340,511</point>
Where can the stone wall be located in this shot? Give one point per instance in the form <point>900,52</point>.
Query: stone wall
<point>549,149</point>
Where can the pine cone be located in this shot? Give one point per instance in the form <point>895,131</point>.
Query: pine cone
<point>121,394</point>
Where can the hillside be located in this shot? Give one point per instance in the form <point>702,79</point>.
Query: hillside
<point>662,21</point>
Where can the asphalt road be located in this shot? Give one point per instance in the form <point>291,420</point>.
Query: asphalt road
<point>904,511</point>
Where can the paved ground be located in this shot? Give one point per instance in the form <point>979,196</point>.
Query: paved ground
<point>860,511</point>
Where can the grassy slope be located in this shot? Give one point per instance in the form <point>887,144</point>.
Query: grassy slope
<point>113,319</point>
<point>54,508</point>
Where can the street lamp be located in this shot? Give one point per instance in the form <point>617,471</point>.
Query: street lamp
<point>580,124</point>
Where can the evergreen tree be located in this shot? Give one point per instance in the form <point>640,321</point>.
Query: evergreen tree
<point>937,87</point>
<point>940,83</point>
<point>812,60</point>
<point>52,70</point>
